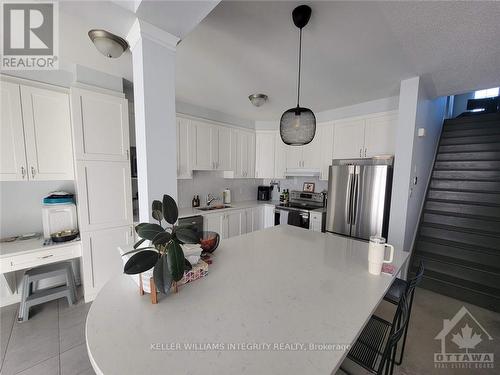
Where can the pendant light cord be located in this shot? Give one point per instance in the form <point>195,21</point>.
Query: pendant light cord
<point>300,58</point>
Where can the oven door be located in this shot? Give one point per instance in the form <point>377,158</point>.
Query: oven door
<point>291,217</point>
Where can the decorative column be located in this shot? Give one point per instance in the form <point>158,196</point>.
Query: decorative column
<point>153,57</point>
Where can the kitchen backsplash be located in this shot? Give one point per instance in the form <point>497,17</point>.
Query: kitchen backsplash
<point>297,183</point>
<point>204,182</point>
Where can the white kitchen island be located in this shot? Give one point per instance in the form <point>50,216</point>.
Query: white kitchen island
<point>268,297</point>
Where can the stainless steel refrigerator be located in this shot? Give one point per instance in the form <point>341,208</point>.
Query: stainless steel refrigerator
<point>359,196</point>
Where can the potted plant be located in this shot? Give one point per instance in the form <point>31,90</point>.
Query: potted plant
<point>164,251</point>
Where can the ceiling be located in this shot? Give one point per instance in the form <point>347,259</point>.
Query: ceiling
<point>352,52</point>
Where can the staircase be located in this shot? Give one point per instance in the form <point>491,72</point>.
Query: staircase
<point>459,234</point>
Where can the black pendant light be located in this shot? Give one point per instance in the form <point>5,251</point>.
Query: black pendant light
<point>298,125</point>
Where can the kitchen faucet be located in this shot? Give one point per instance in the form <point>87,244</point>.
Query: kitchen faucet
<point>211,198</point>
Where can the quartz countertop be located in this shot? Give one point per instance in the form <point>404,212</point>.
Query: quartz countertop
<point>193,211</point>
<point>280,286</point>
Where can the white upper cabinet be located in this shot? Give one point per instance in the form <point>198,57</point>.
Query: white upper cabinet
<point>101,127</point>
<point>311,153</point>
<point>36,141</point>
<point>243,151</point>
<point>264,154</point>
<point>12,151</point>
<point>380,135</point>
<point>47,129</point>
<point>184,148</point>
<point>280,157</point>
<point>203,146</point>
<point>223,161</point>
<point>349,138</point>
<point>325,137</point>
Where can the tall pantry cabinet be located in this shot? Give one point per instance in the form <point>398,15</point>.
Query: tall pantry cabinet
<point>103,183</point>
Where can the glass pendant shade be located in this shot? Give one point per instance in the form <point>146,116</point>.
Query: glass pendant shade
<point>297,126</point>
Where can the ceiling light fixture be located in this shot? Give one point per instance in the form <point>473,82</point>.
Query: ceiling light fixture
<point>298,125</point>
<point>258,99</point>
<point>110,45</point>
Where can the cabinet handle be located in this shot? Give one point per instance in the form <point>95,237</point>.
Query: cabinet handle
<point>132,232</point>
<point>23,172</point>
<point>360,150</point>
<point>46,256</point>
<point>365,152</point>
<point>127,153</point>
<point>33,172</point>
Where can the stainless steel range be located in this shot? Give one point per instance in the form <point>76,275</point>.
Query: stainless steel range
<point>299,208</point>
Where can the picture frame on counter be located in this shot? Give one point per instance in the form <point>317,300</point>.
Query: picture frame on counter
<point>308,187</point>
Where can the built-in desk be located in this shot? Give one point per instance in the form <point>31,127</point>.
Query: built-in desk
<point>19,255</point>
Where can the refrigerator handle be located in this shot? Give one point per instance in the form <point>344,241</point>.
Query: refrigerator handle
<point>348,201</point>
<point>355,193</point>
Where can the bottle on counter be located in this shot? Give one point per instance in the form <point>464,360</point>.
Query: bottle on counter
<point>193,202</point>
<point>197,201</point>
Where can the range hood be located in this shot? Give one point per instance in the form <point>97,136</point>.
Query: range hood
<point>298,172</point>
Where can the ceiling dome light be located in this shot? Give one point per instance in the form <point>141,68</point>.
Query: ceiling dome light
<point>258,99</point>
<point>298,125</point>
<point>110,45</point>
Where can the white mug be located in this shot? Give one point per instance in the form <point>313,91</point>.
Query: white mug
<point>376,254</point>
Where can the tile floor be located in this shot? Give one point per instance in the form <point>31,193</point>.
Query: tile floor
<point>52,342</point>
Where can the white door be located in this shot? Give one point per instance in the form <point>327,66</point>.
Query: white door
<point>213,223</point>
<point>242,154</point>
<point>104,194</point>
<point>233,219</point>
<point>325,136</point>
<point>348,141</point>
<point>184,148</point>
<point>246,221</point>
<point>251,156</point>
<point>224,147</point>
<point>100,123</point>
<point>293,157</point>
<point>47,128</point>
<point>280,158</point>
<point>257,218</point>
<point>264,154</point>
<point>203,158</point>
<point>12,151</point>
<point>311,153</point>
<point>268,216</point>
<point>101,258</point>
<point>380,135</point>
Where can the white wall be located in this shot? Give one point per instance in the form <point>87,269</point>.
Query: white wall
<point>413,159</point>
<point>460,103</point>
<point>210,114</point>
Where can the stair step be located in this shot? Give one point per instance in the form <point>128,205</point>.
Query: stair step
<point>467,175</point>
<point>464,197</point>
<point>438,284</point>
<point>467,165</point>
<point>468,140</point>
<point>469,156</point>
<point>477,120</point>
<point>466,223</point>
<point>464,185</point>
<point>481,257</point>
<point>443,266</point>
<point>475,131</point>
<point>452,234</point>
<point>479,211</point>
<point>470,147</point>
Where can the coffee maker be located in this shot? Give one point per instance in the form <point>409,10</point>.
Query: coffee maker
<point>264,193</point>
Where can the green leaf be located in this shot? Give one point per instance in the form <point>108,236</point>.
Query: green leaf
<point>137,250</point>
<point>162,276</point>
<point>149,231</point>
<point>170,210</point>
<point>161,238</point>
<point>141,262</point>
<point>139,243</point>
<point>175,260</point>
<point>187,235</point>
<point>157,210</point>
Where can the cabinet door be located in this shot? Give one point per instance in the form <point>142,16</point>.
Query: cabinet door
<point>316,221</point>
<point>12,150</point>
<point>293,157</point>
<point>203,144</point>
<point>233,219</point>
<point>242,154</point>
<point>100,123</point>
<point>268,216</point>
<point>264,154</point>
<point>101,258</point>
<point>47,128</point>
<point>257,218</point>
<point>251,156</point>
<point>246,221</point>
<point>380,135</point>
<point>311,153</point>
<point>348,141</point>
<point>325,136</point>
<point>184,148</point>
<point>224,147</point>
<point>104,194</point>
<point>213,223</point>
<point>280,159</point>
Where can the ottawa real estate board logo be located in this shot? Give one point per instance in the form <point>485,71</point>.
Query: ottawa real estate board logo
<point>30,33</point>
<point>464,343</point>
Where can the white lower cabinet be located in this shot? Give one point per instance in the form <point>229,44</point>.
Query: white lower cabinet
<point>316,221</point>
<point>101,258</point>
<point>235,222</point>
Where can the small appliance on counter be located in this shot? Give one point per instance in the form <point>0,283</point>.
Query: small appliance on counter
<point>226,196</point>
<point>264,193</point>
<point>59,217</point>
